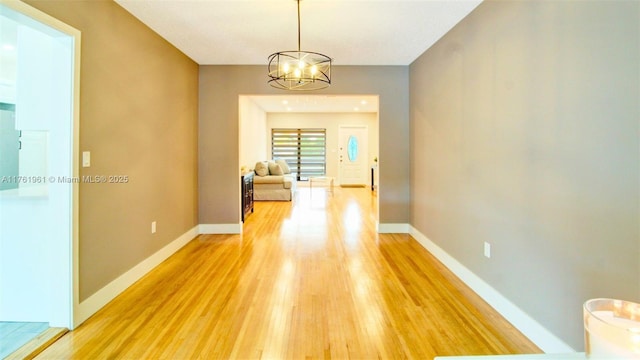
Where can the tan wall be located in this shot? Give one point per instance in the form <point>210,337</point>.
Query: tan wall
<point>331,122</point>
<point>220,86</point>
<point>524,134</point>
<point>138,117</point>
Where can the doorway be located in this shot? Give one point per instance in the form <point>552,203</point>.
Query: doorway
<point>259,114</point>
<point>39,78</point>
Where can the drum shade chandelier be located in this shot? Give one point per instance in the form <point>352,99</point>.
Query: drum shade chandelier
<point>299,70</point>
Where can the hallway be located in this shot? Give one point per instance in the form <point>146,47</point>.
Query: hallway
<point>308,278</point>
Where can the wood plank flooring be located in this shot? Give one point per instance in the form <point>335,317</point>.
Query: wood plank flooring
<point>307,279</point>
<point>36,345</point>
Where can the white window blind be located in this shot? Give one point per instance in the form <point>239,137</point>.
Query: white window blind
<point>304,150</point>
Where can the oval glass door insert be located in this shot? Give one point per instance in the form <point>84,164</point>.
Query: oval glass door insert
<point>352,148</point>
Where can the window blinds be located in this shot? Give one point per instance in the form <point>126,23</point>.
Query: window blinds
<point>304,150</point>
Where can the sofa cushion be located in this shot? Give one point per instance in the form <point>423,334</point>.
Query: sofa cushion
<point>271,179</point>
<point>283,164</point>
<point>261,169</point>
<point>275,169</point>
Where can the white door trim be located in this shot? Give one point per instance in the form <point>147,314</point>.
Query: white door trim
<point>71,287</point>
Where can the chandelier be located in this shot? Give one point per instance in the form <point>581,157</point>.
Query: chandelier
<point>299,70</point>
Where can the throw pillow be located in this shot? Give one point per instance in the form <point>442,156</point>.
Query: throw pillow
<point>283,164</point>
<point>261,169</point>
<point>275,169</point>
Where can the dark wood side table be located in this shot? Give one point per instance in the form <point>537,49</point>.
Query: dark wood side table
<point>246,184</point>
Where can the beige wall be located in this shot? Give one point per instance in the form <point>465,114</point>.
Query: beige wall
<point>138,117</point>
<point>331,122</point>
<point>524,134</point>
<point>220,87</point>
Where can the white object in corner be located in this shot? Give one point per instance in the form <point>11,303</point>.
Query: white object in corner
<point>543,338</point>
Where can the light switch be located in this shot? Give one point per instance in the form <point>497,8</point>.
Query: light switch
<point>86,159</point>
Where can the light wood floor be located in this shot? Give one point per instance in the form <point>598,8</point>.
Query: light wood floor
<point>307,279</point>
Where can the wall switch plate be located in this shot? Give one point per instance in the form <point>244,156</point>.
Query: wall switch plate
<point>153,227</point>
<point>86,158</point>
<point>487,249</point>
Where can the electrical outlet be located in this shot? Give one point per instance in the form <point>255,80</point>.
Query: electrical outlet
<point>487,249</point>
<point>153,227</point>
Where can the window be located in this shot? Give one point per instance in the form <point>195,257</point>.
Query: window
<point>352,148</point>
<point>304,150</point>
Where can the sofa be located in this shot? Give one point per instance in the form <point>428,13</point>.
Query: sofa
<point>273,181</point>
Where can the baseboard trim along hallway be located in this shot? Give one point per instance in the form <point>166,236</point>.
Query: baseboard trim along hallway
<point>103,296</point>
<point>220,229</point>
<point>385,228</point>
<point>96,301</point>
<point>537,333</point>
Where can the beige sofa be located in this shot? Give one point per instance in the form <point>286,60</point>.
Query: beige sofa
<point>274,184</point>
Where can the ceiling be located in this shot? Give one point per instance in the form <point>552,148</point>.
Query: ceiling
<point>245,32</point>
<point>351,32</point>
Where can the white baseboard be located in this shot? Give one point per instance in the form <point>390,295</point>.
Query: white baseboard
<point>103,296</point>
<point>220,228</point>
<point>392,228</point>
<point>543,338</point>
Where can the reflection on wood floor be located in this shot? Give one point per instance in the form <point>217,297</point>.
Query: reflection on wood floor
<point>307,279</point>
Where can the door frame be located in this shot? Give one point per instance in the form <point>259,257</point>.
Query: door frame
<point>67,312</point>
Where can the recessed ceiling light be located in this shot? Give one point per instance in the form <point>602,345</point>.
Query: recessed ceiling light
<point>356,109</point>
<point>363,102</point>
<point>284,102</point>
<point>8,47</point>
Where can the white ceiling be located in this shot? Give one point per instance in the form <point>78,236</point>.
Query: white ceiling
<point>246,32</point>
<point>352,32</point>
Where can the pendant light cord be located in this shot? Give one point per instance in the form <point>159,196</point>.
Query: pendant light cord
<point>298,1</point>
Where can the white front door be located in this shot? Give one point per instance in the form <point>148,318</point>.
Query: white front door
<point>353,153</point>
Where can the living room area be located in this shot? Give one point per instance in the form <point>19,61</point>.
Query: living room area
<point>332,139</point>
